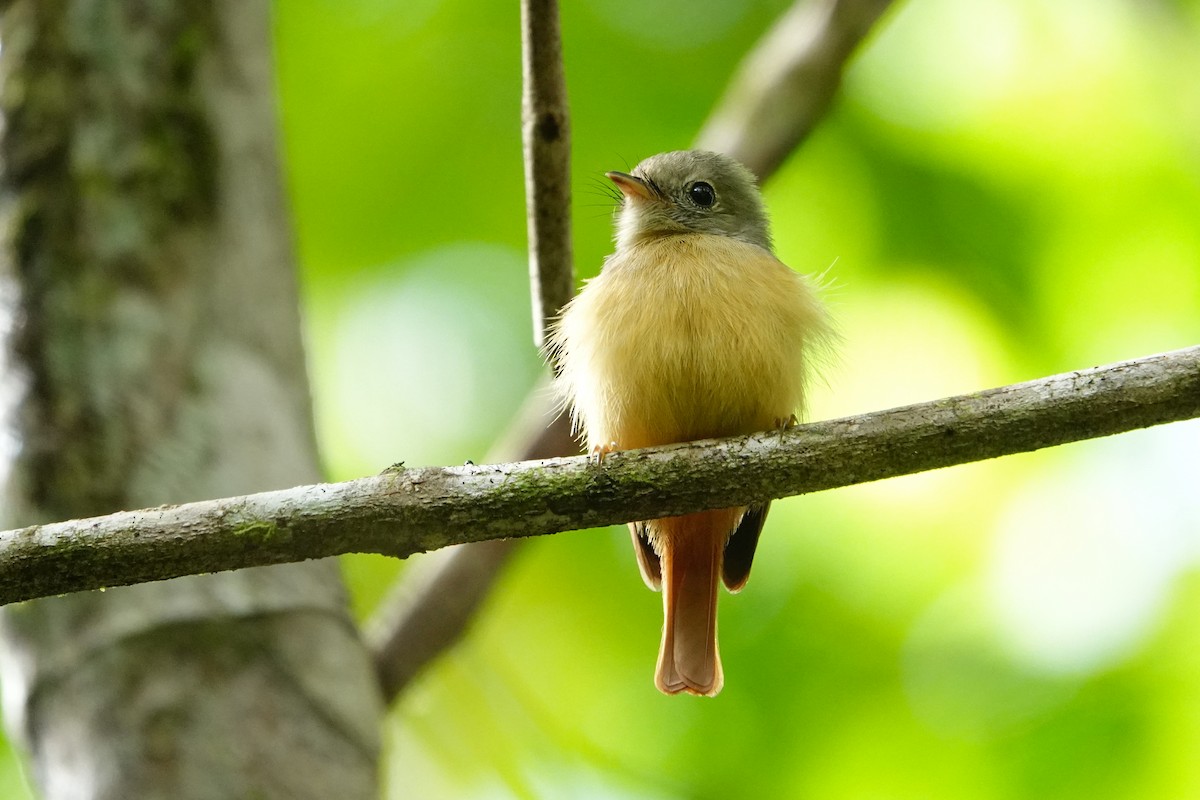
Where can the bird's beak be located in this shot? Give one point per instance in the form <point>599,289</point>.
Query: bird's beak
<point>631,186</point>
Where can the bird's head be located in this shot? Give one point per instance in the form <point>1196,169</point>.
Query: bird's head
<point>690,191</point>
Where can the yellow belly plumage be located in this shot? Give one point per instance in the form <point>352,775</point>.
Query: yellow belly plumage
<point>686,337</point>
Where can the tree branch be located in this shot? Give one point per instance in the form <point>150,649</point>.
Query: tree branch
<point>401,512</point>
<point>786,83</point>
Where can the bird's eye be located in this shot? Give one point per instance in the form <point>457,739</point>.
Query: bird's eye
<point>702,194</point>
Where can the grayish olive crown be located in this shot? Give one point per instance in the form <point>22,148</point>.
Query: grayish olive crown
<point>676,183</point>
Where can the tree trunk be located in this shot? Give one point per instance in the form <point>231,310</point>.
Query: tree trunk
<point>155,357</point>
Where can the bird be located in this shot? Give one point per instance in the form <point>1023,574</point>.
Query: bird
<point>693,329</point>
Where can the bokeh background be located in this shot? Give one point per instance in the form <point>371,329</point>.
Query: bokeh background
<point>1005,189</point>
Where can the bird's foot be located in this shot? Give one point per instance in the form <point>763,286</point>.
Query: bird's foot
<point>600,451</point>
<point>785,424</point>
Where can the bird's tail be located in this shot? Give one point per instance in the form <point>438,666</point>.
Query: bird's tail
<point>691,548</point>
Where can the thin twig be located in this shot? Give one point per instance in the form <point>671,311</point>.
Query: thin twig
<point>401,512</point>
<point>786,83</point>
<point>546,132</point>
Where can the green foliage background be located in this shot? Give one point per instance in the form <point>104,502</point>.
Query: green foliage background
<point>1005,189</point>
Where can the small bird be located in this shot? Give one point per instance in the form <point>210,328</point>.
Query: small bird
<point>692,330</point>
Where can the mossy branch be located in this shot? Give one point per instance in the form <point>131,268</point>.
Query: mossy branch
<point>403,511</point>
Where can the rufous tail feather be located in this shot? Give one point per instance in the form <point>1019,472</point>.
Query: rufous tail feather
<point>691,548</point>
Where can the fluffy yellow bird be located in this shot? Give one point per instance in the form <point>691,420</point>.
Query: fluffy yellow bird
<point>692,330</point>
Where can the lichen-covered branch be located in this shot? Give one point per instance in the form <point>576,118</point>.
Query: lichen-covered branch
<point>401,511</point>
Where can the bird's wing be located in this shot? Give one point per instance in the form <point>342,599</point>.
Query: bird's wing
<point>739,550</point>
<point>648,561</point>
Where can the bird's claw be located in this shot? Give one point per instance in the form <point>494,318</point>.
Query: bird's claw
<point>786,423</point>
<point>600,451</point>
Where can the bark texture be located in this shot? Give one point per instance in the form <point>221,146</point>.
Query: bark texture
<point>154,357</point>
